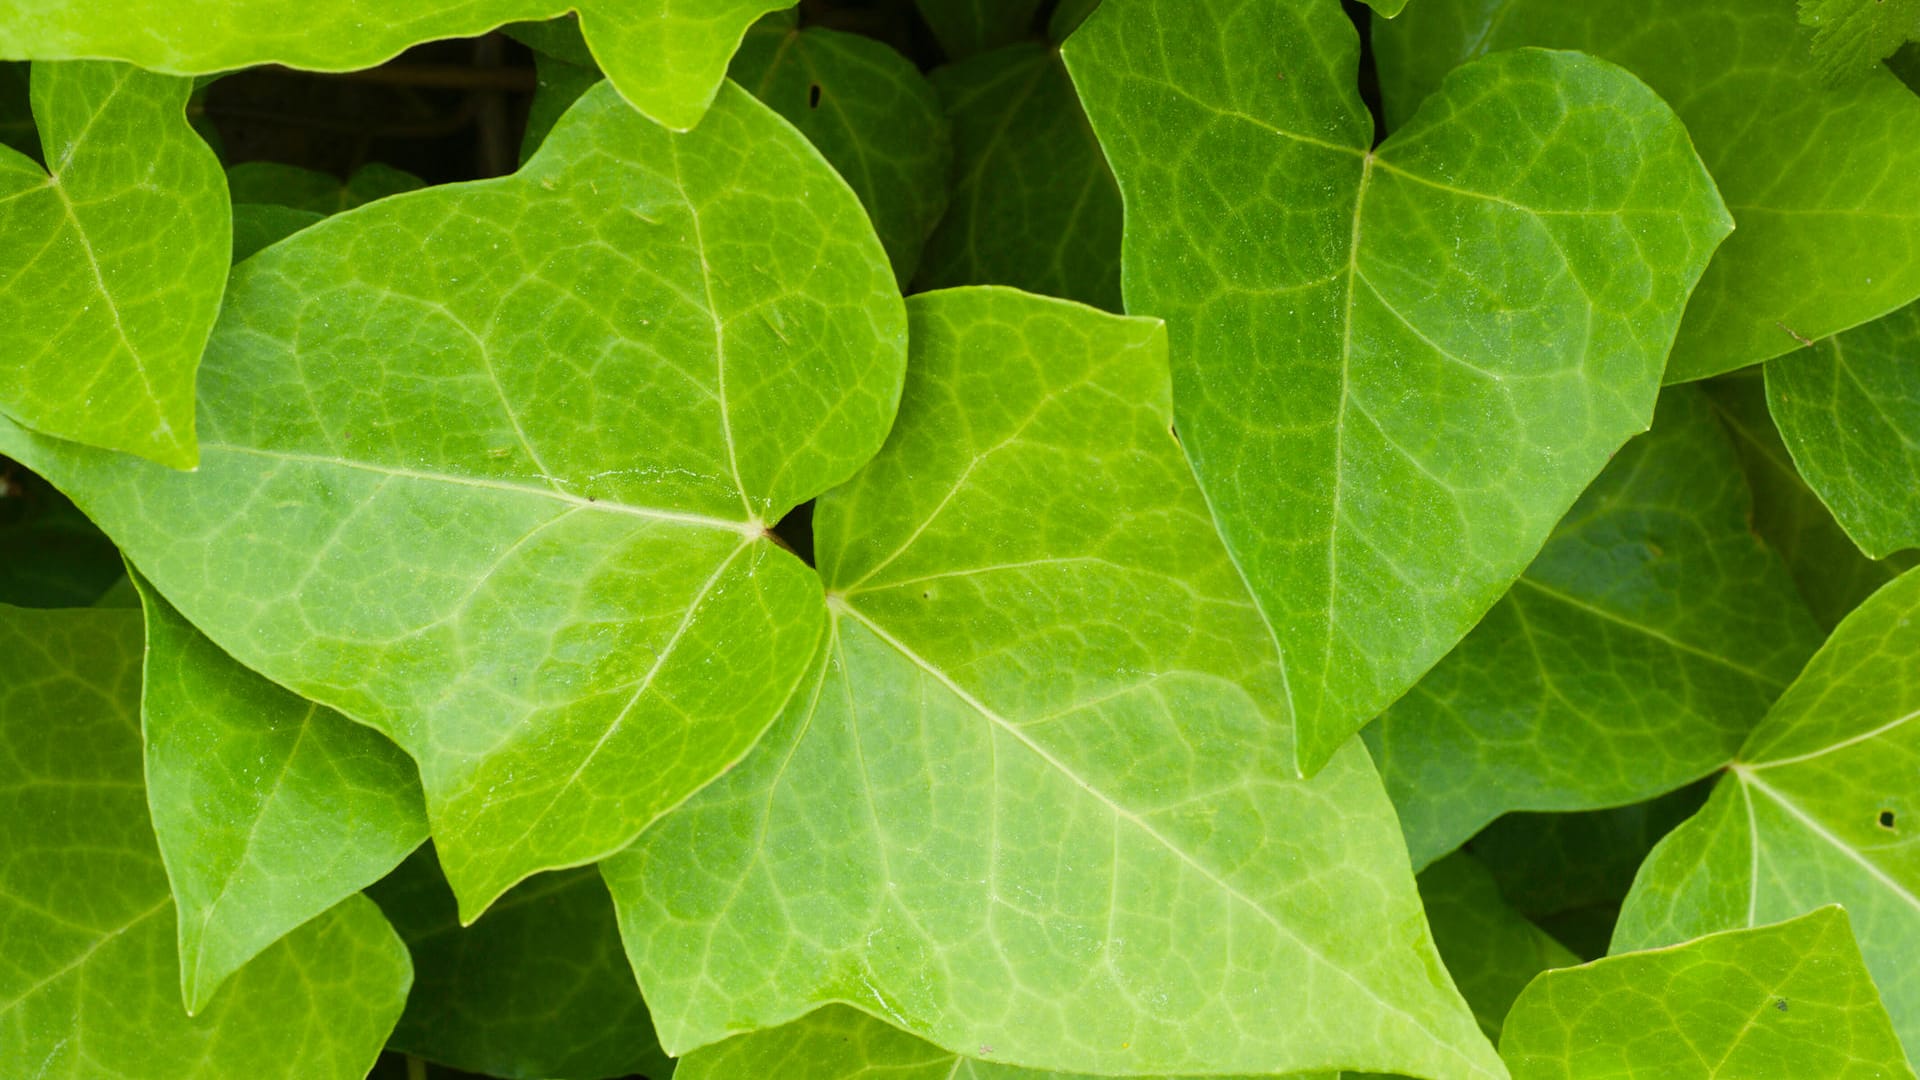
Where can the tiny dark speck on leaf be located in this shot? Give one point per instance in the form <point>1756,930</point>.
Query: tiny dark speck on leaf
<point>1781,1004</point>
<point>813,96</point>
<point>1886,819</point>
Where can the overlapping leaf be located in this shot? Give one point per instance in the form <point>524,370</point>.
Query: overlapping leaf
<point>966,27</point>
<point>1812,256</point>
<point>1848,410</point>
<point>537,989</point>
<point>1791,999</point>
<point>1491,950</point>
<point>668,57</point>
<point>1394,368</point>
<point>488,467</point>
<point>305,189</point>
<point>1819,807</point>
<point>50,554</point>
<point>112,259</point>
<point>1851,37</point>
<point>89,982</point>
<point>268,809</point>
<point>1036,795</point>
<point>1651,633</point>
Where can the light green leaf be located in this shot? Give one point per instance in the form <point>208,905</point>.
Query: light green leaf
<point>839,1043</point>
<point>1791,999</point>
<point>1491,950</point>
<point>489,466</point>
<point>1831,573</point>
<point>966,27</point>
<point>537,989</point>
<point>51,556</point>
<point>268,809</point>
<point>89,982</point>
<point>1394,369</point>
<point>1819,808</point>
<point>1812,256</point>
<point>667,57</point>
<point>111,266</point>
<point>872,114</point>
<point>1648,637</point>
<point>1034,204</point>
<point>1851,37</point>
<point>1849,412</point>
<point>1037,794</point>
<point>305,189</point>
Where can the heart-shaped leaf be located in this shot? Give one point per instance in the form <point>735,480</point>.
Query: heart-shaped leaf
<point>1394,368</point>
<point>112,260</point>
<point>489,468</point>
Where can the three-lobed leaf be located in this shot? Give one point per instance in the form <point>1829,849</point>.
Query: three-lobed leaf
<point>1394,368</point>
<point>112,260</point>
<point>489,468</point>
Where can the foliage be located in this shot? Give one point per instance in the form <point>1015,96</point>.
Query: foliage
<point>994,539</point>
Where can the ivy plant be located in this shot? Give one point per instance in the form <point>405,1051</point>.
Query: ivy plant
<point>936,539</point>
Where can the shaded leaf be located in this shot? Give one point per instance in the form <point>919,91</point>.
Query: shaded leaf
<point>16,110</point>
<point>1650,634</point>
<point>1037,794</point>
<point>1491,950</point>
<point>537,989</point>
<point>51,556</point>
<point>111,266</point>
<point>966,27</point>
<point>89,982</point>
<point>488,469</point>
<point>305,189</point>
<point>268,809</point>
<point>1791,999</point>
<point>558,84</point>
<point>1851,37</point>
<point>1810,256</point>
<point>1819,807</point>
<point>257,226</point>
<point>1394,369</point>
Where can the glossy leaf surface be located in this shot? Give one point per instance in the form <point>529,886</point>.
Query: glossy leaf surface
<point>1037,793</point>
<point>1810,257</point>
<point>1650,634</point>
<point>111,263</point>
<point>89,983</point>
<point>488,468</point>
<point>1394,368</point>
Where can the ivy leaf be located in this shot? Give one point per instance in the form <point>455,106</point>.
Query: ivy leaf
<point>89,981</point>
<point>1491,950</point>
<point>257,226</point>
<point>548,580</point>
<point>1851,37</point>
<point>1034,204</point>
<point>1044,669</point>
<point>1849,412</point>
<point>1791,999</point>
<point>667,57</point>
<point>1831,573</point>
<point>112,263</point>
<point>1394,369</point>
<point>558,83</point>
<point>966,27</point>
<point>871,113</point>
<point>305,189</point>
<point>537,989</point>
<point>839,1043</point>
<point>1811,257</point>
<point>268,809</point>
<point>51,556</point>
<point>1648,637</point>
<point>1818,808</point>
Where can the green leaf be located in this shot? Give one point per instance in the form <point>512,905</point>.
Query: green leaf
<point>1849,412</point>
<point>667,57</point>
<point>89,984</point>
<point>1037,794</point>
<point>261,225</point>
<point>966,27</point>
<point>1034,204</point>
<point>1650,634</point>
<point>16,110</point>
<point>558,84</point>
<point>839,1043</point>
<point>1811,256</point>
<point>1791,999</point>
<point>549,581</point>
<point>305,189</point>
<point>538,988</point>
<point>1831,573</point>
<point>1491,950</point>
<point>51,556</point>
<point>1851,37</point>
<point>1394,369</point>
<point>268,809</point>
<point>1819,808</point>
<point>872,114</point>
<point>111,266</point>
